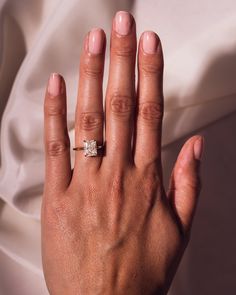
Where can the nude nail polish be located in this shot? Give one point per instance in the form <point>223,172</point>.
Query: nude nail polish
<point>123,22</point>
<point>198,148</point>
<point>54,85</point>
<point>96,41</point>
<point>150,42</point>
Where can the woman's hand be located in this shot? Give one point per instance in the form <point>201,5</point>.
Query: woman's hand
<point>108,226</point>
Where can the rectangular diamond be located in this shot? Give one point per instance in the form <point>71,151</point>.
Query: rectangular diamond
<point>90,148</point>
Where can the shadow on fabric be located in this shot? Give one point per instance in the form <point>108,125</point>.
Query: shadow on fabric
<point>208,266</point>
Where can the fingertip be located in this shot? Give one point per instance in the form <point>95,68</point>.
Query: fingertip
<point>123,22</point>
<point>150,43</point>
<point>55,85</point>
<point>151,64</point>
<point>199,147</point>
<point>151,53</point>
<point>191,150</point>
<point>95,41</point>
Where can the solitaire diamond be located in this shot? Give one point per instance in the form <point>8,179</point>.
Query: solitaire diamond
<point>90,148</point>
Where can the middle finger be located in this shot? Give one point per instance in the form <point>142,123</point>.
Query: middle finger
<point>120,94</point>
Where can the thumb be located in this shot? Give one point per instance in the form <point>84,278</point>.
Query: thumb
<point>185,182</point>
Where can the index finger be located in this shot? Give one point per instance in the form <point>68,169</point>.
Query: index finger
<point>56,139</point>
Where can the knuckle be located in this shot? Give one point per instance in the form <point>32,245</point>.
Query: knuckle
<point>193,184</point>
<point>151,112</point>
<point>151,68</point>
<point>55,148</point>
<point>190,183</point>
<point>92,69</point>
<point>122,105</point>
<point>91,120</point>
<point>124,50</point>
<point>55,109</point>
<point>196,184</point>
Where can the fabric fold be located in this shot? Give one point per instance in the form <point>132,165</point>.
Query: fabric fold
<point>199,87</point>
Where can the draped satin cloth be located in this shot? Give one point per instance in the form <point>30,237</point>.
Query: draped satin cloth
<point>199,42</point>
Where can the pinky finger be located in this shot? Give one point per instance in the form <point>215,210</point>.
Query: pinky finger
<point>56,139</point>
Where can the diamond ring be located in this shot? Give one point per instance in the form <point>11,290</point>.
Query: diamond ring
<point>90,148</point>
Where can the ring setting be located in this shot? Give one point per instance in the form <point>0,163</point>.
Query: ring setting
<point>90,148</point>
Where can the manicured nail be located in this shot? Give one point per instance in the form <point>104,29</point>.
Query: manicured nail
<point>123,23</point>
<point>198,148</point>
<point>96,40</point>
<point>54,85</point>
<point>150,42</point>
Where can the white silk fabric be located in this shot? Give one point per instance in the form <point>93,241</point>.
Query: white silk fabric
<point>38,37</point>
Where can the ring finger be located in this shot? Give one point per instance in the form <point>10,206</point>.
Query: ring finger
<point>89,107</point>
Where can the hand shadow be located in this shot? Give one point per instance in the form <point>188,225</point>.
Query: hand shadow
<point>208,266</point>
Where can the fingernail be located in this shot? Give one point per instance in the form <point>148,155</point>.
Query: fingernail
<point>96,40</point>
<point>150,42</point>
<point>54,85</point>
<point>123,23</point>
<point>198,148</point>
